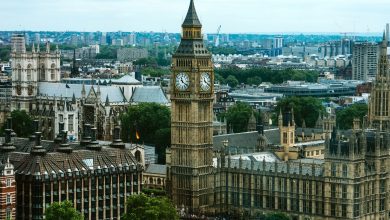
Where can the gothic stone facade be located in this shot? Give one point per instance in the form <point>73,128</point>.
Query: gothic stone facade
<point>351,182</point>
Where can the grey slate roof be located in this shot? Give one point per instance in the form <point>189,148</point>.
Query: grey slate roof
<point>247,140</point>
<point>302,167</point>
<point>156,169</point>
<point>59,89</point>
<point>149,94</point>
<point>126,79</point>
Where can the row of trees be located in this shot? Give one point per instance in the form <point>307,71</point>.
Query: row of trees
<point>254,76</point>
<point>138,207</point>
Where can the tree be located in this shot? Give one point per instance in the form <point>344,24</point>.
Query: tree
<point>62,211</point>
<point>307,108</point>
<point>268,75</point>
<point>22,123</point>
<point>154,72</point>
<point>232,81</point>
<point>277,216</point>
<point>256,80</point>
<point>152,122</point>
<point>346,116</point>
<point>151,208</point>
<point>238,117</point>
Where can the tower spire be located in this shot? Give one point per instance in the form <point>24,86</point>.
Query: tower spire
<point>191,19</point>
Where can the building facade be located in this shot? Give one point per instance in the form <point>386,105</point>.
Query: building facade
<point>97,178</point>
<point>350,182</point>
<point>7,191</point>
<point>36,89</point>
<point>364,61</point>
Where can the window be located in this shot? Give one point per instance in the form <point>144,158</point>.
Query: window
<point>9,182</point>
<point>42,73</point>
<point>8,200</point>
<point>333,169</point>
<point>382,186</point>
<point>52,72</point>
<point>344,193</point>
<point>333,190</point>
<point>61,118</point>
<point>356,210</point>
<point>285,137</point>
<point>29,72</point>
<point>345,170</point>
<point>19,71</point>
<point>344,210</point>
<point>70,123</point>
<point>8,214</point>
<point>357,191</point>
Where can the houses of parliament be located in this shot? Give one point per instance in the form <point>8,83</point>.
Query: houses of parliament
<point>351,181</point>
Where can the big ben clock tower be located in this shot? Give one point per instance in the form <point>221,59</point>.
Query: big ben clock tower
<point>192,91</point>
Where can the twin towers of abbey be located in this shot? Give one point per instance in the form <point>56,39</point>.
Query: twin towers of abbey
<point>351,182</point>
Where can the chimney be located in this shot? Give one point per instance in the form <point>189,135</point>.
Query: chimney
<point>58,139</point>
<point>94,144</point>
<point>8,146</point>
<point>38,150</point>
<point>64,146</point>
<point>117,141</point>
<point>86,135</point>
<point>35,125</point>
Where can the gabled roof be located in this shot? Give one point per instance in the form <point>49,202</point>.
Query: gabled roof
<point>60,90</point>
<point>149,94</point>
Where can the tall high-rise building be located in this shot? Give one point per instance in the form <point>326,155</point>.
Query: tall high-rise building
<point>364,61</point>
<point>192,95</point>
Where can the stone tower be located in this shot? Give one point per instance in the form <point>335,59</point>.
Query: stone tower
<point>287,131</point>
<point>379,113</point>
<point>30,68</point>
<point>192,93</point>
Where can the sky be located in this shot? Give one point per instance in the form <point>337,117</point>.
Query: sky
<point>235,16</point>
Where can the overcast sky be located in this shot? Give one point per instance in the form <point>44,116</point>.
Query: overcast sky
<point>235,16</point>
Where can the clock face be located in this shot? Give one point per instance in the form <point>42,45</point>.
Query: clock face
<point>205,81</point>
<point>182,81</point>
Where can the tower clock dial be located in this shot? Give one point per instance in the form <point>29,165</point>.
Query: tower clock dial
<point>205,81</point>
<point>182,81</point>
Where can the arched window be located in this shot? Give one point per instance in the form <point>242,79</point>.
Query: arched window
<point>19,72</point>
<point>138,156</point>
<point>29,72</point>
<point>42,73</point>
<point>52,71</point>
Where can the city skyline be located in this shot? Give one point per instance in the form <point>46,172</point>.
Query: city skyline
<point>246,16</point>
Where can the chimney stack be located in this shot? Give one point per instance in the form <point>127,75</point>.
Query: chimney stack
<point>38,150</point>
<point>94,144</point>
<point>117,141</point>
<point>86,135</point>
<point>8,146</point>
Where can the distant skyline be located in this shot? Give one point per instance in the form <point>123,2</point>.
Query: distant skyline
<point>235,16</point>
